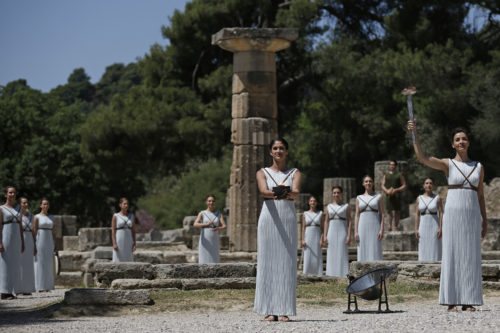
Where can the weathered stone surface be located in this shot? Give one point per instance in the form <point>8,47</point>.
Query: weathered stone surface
<point>203,271</point>
<point>491,285</point>
<point>146,284</point>
<point>174,235</point>
<point>238,257</point>
<point>492,240</point>
<point>490,271</point>
<point>70,243</point>
<point>161,246</point>
<point>174,257</point>
<point>492,198</point>
<point>152,257</point>
<point>348,186</point>
<point>427,270</point>
<point>105,273</point>
<point>262,39</point>
<point>245,201</point>
<point>69,279</point>
<point>246,105</point>
<point>219,283</point>
<point>188,230</point>
<point>89,265</point>
<point>253,131</point>
<point>254,83</point>
<point>381,168</point>
<point>310,278</point>
<point>490,255</point>
<point>90,238</point>
<point>400,241</point>
<point>102,252</point>
<point>155,235</point>
<point>73,260</point>
<point>399,255</point>
<point>107,297</point>
<point>142,236</point>
<point>88,280</point>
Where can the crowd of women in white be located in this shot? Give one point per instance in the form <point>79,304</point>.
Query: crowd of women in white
<point>27,247</point>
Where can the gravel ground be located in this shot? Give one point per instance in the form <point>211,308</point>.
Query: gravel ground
<point>421,316</point>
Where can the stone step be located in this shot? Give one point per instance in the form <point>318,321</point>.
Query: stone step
<point>91,296</point>
<point>407,271</point>
<point>69,279</point>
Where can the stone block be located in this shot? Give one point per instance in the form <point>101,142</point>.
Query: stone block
<point>203,271</point>
<point>142,236</point>
<point>69,225</point>
<point>253,131</point>
<point>105,273</point>
<point>492,240</point>
<point>107,297</point>
<point>152,257</point>
<point>70,243</point>
<point>246,105</point>
<point>254,82</point>
<point>90,238</point>
<point>490,271</point>
<point>254,61</point>
<point>238,257</point>
<point>400,255</point>
<point>69,279</point>
<point>219,283</point>
<point>89,266</point>
<point>400,241</point>
<point>174,257</point>
<point>146,284</point>
<point>73,260</point>
<point>88,280</point>
<point>245,200</point>
<point>174,235</point>
<point>244,39</point>
<point>155,235</point>
<point>161,246</point>
<point>427,270</point>
<point>188,230</point>
<point>102,252</point>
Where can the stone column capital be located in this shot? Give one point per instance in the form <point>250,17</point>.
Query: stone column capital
<point>254,39</point>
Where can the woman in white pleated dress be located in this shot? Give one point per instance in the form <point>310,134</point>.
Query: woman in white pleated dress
<point>123,233</point>
<point>337,235</point>
<point>11,246</point>
<point>45,231</point>
<point>210,222</point>
<point>276,282</point>
<point>369,224</point>
<point>428,223</point>
<point>464,223</point>
<point>28,256</point>
<point>312,238</point>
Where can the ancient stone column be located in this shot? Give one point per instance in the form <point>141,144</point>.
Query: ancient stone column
<point>381,168</point>
<point>254,124</point>
<point>347,184</point>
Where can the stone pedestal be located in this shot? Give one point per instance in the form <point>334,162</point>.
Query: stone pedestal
<point>381,168</point>
<point>348,185</point>
<point>254,124</point>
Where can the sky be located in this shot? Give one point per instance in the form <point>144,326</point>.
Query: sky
<point>44,41</point>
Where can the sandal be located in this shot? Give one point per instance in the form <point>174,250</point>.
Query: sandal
<point>271,318</point>
<point>469,308</point>
<point>283,318</point>
<point>452,308</point>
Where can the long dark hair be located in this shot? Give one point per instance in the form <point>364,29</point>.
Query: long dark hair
<point>283,141</point>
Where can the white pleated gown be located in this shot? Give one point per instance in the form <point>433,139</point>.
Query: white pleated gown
<point>44,260</point>
<point>313,256</point>
<point>124,238</point>
<point>337,255</point>
<point>276,282</point>
<point>10,258</point>
<point>208,246</point>
<point>369,247</point>
<point>461,262</point>
<point>28,257</point>
<point>429,246</point>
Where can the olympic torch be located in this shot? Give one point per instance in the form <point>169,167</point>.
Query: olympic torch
<point>409,92</point>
